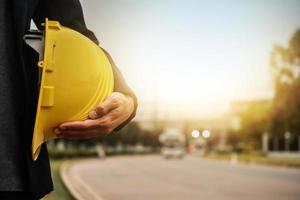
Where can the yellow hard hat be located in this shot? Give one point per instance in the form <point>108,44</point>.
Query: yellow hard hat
<point>75,77</point>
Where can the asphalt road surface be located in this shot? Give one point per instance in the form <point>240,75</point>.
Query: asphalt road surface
<point>191,178</point>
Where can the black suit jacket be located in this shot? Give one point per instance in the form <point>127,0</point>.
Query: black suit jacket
<point>68,13</point>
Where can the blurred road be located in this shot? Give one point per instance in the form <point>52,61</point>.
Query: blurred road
<point>154,178</point>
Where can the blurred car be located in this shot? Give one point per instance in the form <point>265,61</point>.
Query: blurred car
<point>173,143</point>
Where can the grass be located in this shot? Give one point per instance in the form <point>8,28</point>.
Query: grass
<point>256,158</point>
<point>60,192</point>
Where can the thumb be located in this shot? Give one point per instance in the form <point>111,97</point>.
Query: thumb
<point>102,109</point>
<point>96,113</point>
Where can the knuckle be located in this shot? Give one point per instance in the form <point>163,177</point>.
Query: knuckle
<point>107,123</point>
<point>99,109</point>
<point>116,99</point>
<point>114,113</point>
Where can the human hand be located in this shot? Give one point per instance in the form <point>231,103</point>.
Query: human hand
<point>116,109</point>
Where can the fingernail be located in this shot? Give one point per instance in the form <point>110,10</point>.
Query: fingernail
<point>93,114</point>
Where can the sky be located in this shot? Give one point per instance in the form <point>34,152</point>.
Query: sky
<point>190,59</point>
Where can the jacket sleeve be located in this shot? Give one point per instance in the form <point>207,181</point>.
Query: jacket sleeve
<point>69,13</point>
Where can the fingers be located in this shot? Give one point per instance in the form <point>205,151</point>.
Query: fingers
<point>104,125</point>
<point>84,129</point>
<point>109,104</point>
<point>99,111</point>
<point>78,125</point>
<point>88,124</point>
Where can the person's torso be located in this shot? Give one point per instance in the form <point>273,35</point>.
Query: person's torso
<point>11,146</point>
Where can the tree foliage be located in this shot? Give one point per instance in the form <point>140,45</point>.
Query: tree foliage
<point>284,112</point>
<point>285,63</point>
<point>254,121</point>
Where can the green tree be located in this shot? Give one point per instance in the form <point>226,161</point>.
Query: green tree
<point>285,63</point>
<point>254,121</point>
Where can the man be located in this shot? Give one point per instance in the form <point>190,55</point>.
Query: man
<point>20,177</point>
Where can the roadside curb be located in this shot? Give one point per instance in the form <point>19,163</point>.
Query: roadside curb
<point>72,181</point>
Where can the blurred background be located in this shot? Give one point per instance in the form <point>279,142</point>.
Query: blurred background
<point>218,84</point>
